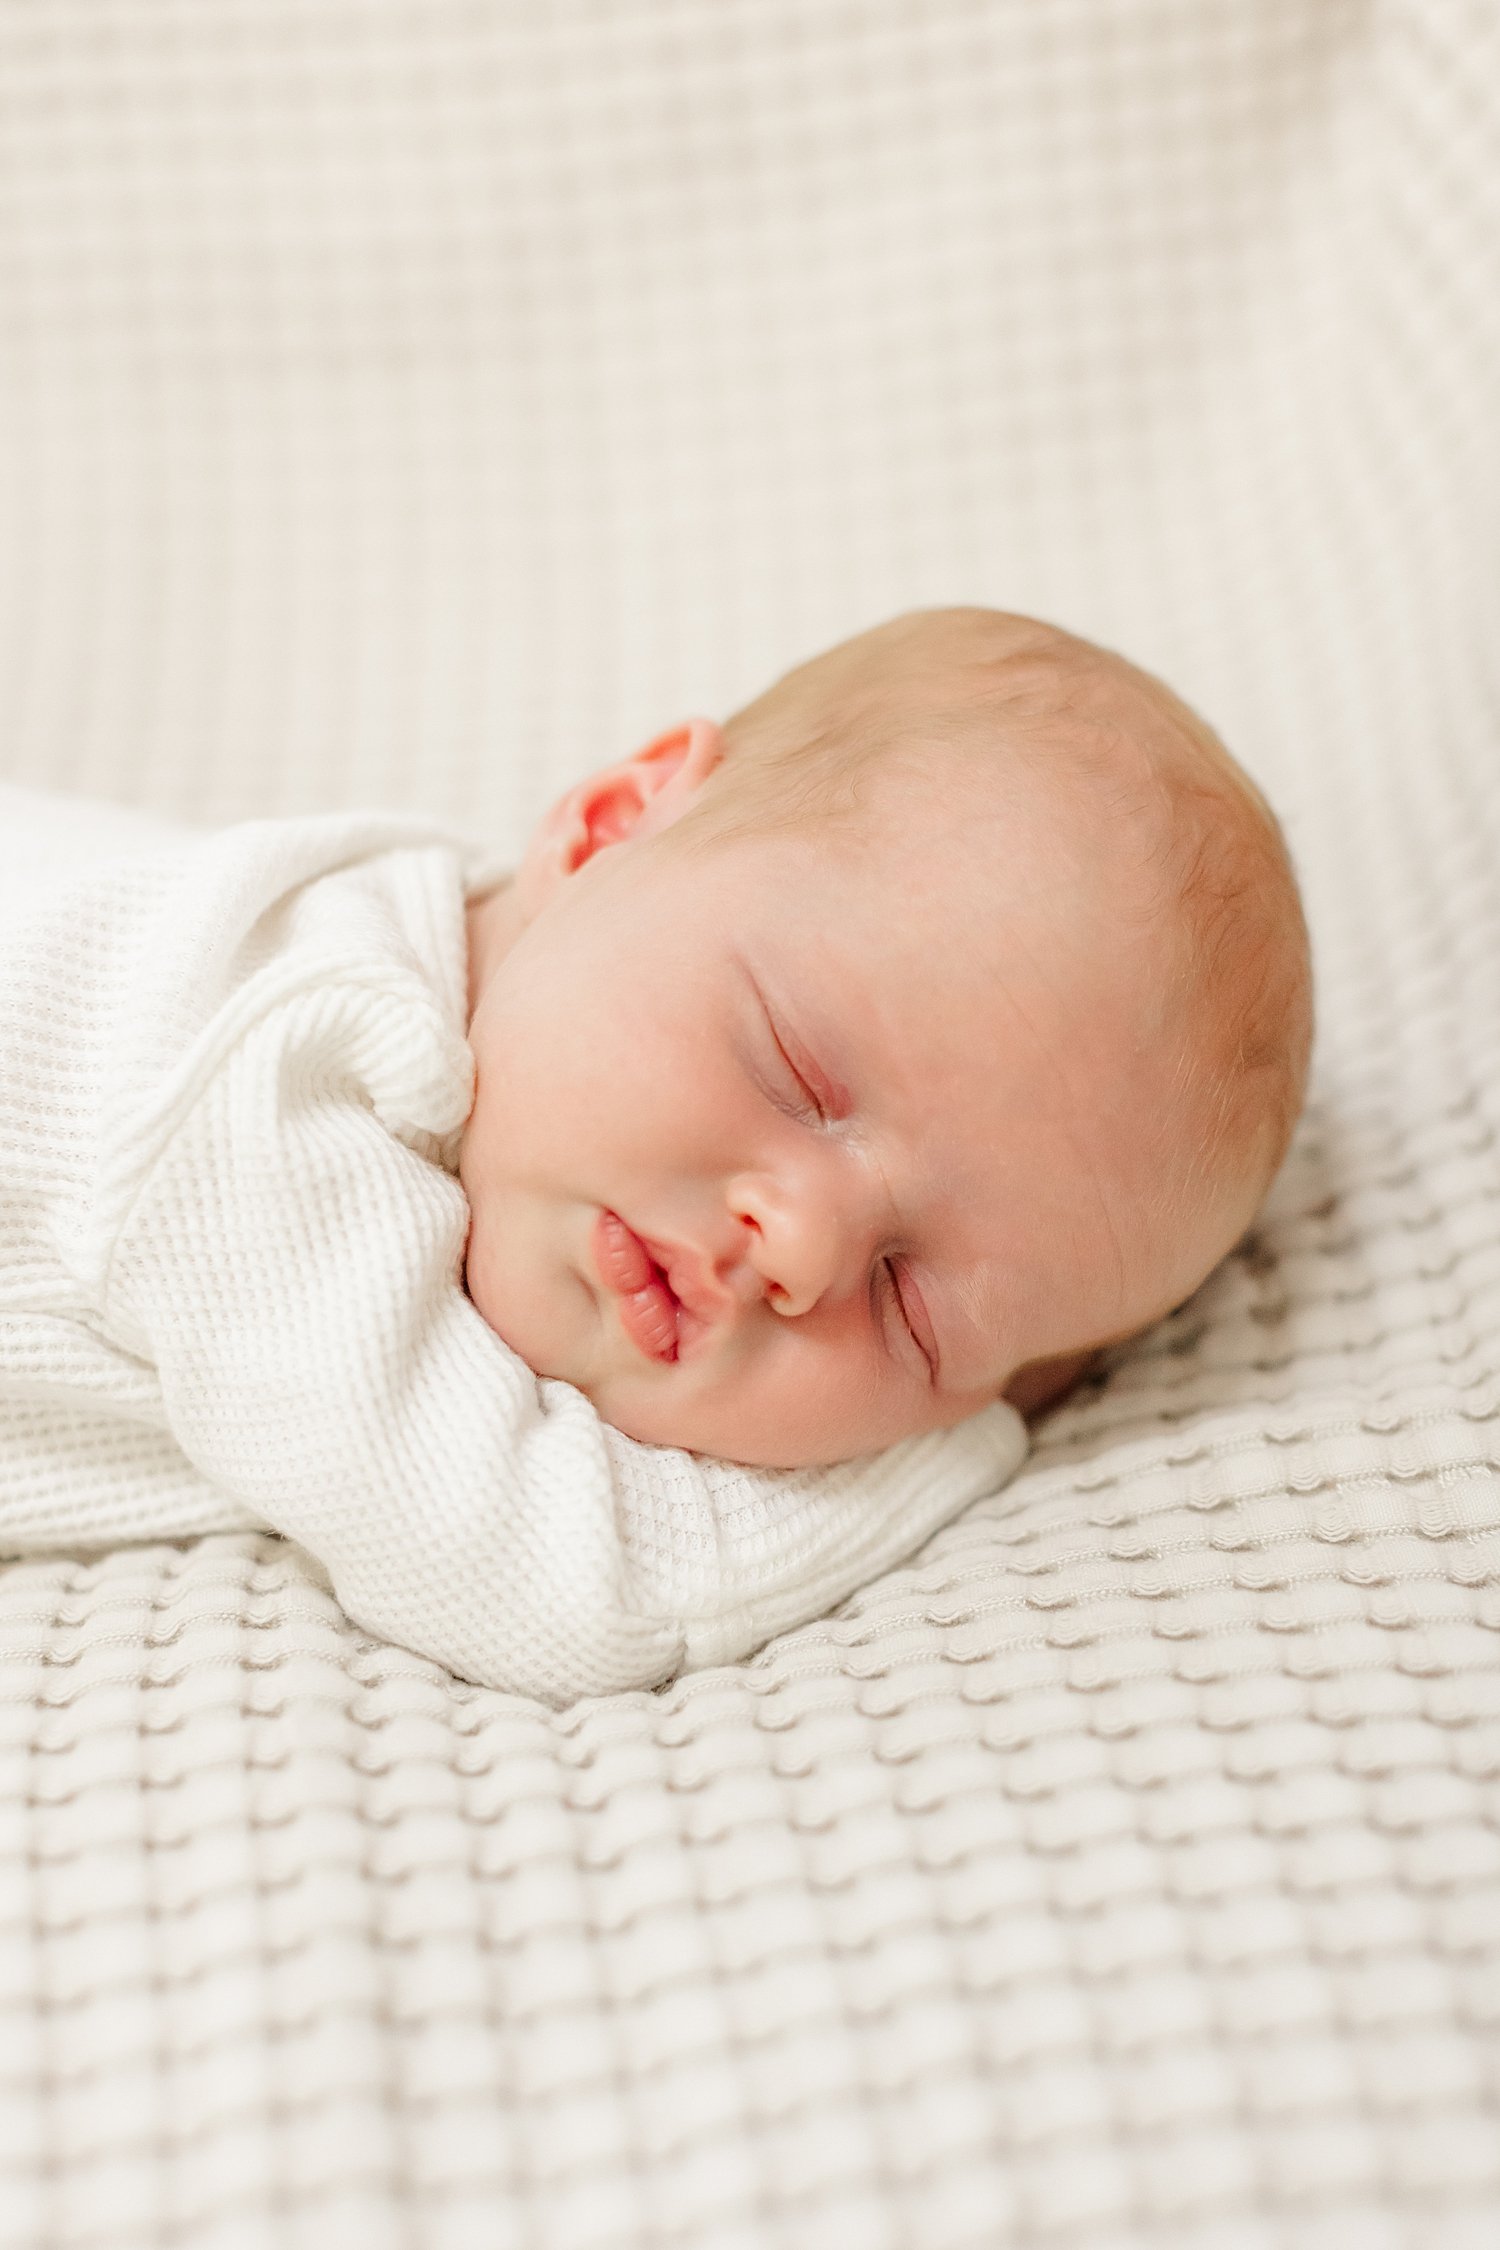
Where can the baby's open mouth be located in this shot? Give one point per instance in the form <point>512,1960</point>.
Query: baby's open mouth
<point>649,1312</point>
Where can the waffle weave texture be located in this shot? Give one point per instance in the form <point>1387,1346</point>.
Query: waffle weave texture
<point>386,389</point>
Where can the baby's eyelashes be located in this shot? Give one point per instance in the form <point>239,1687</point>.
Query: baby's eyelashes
<point>893,1290</point>
<point>806,1103</point>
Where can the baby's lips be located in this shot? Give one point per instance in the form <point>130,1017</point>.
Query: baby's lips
<point>623,1260</point>
<point>648,1310</point>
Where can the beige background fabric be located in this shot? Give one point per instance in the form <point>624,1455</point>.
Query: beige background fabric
<point>419,404</point>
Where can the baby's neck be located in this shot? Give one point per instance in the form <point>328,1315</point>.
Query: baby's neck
<point>492,928</point>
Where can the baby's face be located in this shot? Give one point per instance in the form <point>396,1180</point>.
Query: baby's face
<point>868,1110</point>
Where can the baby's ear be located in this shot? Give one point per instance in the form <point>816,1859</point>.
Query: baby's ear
<point>635,797</point>
<point>1042,1382</point>
<point>671,770</point>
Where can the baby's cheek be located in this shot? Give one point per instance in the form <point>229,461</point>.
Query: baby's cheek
<point>474,1257</point>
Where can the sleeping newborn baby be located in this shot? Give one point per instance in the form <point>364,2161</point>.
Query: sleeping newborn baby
<point>600,1266</point>
<point>939,1019</point>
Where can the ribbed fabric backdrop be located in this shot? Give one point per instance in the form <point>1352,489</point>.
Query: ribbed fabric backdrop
<point>418,404</point>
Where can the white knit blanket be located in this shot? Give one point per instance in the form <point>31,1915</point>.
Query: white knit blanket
<point>415,406</point>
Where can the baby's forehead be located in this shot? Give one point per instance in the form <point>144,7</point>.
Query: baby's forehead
<point>957,837</point>
<point>959,827</point>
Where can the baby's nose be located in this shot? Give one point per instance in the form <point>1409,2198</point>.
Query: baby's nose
<point>806,1236</point>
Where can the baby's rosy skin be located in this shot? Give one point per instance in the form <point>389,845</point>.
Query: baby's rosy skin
<point>654,1033</point>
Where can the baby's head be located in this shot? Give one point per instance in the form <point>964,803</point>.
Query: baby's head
<point>941,1017</point>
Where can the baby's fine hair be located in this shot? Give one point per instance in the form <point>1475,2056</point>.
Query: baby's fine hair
<point>1038,704</point>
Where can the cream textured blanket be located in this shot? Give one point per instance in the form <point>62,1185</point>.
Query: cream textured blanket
<point>233,1083</point>
<point>383,386</point>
